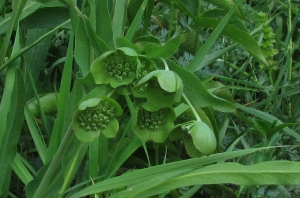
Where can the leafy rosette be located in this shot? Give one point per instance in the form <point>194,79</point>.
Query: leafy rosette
<point>117,68</point>
<point>95,116</point>
<point>155,125</point>
<point>203,137</point>
<point>162,88</point>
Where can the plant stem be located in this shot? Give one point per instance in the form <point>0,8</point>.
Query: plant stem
<point>69,177</point>
<point>165,63</point>
<point>173,13</point>
<point>156,154</point>
<point>192,107</point>
<point>42,190</point>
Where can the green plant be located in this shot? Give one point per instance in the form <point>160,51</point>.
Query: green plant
<point>165,98</point>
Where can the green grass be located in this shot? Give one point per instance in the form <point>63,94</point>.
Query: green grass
<point>166,98</point>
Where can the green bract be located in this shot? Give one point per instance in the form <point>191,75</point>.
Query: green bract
<point>203,137</point>
<point>94,116</point>
<point>163,88</point>
<point>117,68</point>
<point>154,126</point>
<point>147,66</point>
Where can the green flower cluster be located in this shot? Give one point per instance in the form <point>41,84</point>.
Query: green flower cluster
<point>97,117</point>
<point>268,41</point>
<point>116,68</point>
<point>94,116</point>
<point>154,125</point>
<point>151,120</point>
<point>119,67</point>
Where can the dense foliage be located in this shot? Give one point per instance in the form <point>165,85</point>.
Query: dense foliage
<point>165,98</point>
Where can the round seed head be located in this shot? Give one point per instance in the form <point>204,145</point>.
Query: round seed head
<point>87,128</point>
<point>109,74</point>
<point>95,117</point>
<point>127,70</point>
<point>130,74</point>
<point>103,126</point>
<point>119,66</point>
<point>144,73</point>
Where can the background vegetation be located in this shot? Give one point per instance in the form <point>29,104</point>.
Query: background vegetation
<point>223,74</point>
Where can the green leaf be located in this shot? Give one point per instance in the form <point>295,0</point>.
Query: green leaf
<point>270,118</point>
<point>210,41</point>
<point>12,120</point>
<point>17,10</point>
<point>35,58</point>
<point>96,42</point>
<point>20,169</point>
<point>189,146</point>
<point>197,93</point>
<point>140,176</point>
<point>63,103</point>
<point>227,5</point>
<point>238,35</point>
<point>25,49</point>
<point>134,25</point>
<point>104,24</point>
<point>71,161</point>
<point>203,137</point>
<point>29,8</point>
<point>219,14</point>
<point>162,88</point>
<point>52,187</point>
<point>119,18</point>
<point>265,173</point>
<point>166,50</point>
<point>45,18</point>
<point>123,42</point>
<point>36,135</point>
<point>82,51</point>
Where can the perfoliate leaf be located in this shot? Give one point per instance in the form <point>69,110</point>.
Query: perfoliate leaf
<point>166,50</point>
<point>197,93</point>
<point>203,137</point>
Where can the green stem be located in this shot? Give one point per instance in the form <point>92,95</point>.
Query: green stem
<point>42,190</point>
<point>147,17</point>
<point>68,178</point>
<point>156,146</point>
<point>165,63</point>
<point>290,46</point>
<point>197,42</point>
<point>192,107</point>
<point>173,13</point>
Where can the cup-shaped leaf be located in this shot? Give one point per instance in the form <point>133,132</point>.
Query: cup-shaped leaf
<point>163,88</point>
<point>153,125</point>
<point>117,68</point>
<point>203,137</point>
<point>95,116</point>
<point>147,66</point>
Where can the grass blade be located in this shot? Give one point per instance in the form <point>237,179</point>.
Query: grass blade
<point>119,18</point>
<point>211,40</point>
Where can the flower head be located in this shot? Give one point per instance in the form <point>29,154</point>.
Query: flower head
<point>116,68</point>
<point>154,126</point>
<point>94,116</point>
